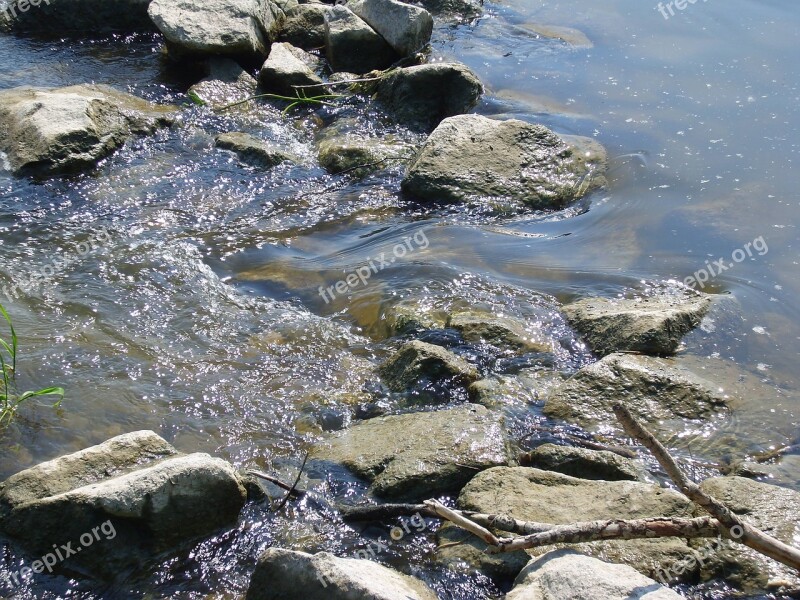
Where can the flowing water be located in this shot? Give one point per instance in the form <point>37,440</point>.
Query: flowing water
<point>194,309</point>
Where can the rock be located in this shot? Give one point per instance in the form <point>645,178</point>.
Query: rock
<point>88,17</point>
<point>470,157</point>
<point>305,26</point>
<point>584,463</point>
<point>352,45</point>
<point>282,574</point>
<point>466,10</point>
<point>503,332</point>
<point>661,392</point>
<point>416,456</point>
<point>525,388</point>
<point>134,486</point>
<point>344,147</point>
<point>411,316</point>
<point>457,547</point>
<point>547,497</point>
<point>288,66</point>
<point>406,27</point>
<point>775,510</point>
<point>423,95</point>
<point>568,575</point>
<point>52,131</point>
<point>650,325</point>
<point>252,150</point>
<point>225,84</point>
<point>214,27</point>
<point>417,360</point>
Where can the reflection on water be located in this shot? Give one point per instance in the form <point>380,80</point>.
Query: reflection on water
<point>200,318</point>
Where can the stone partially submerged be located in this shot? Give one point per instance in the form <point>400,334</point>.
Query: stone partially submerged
<point>503,332</point>
<point>417,456</point>
<point>225,84</point>
<point>474,158</point>
<point>282,574</point>
<point>252,150</point>
<point>651,325</point>
<point>135,488</point>
<point>416,361</point>
<point>287,67</point>
<point>67,130</point>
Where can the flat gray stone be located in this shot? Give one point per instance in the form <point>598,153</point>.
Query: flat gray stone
<point>473,158</point>
<point>418,456</point>
<point>288,66</point>
<point>651,325</point>
<point>585,464</point>
<point>406,27</point>
<point>352,45</point>
<point>282,574</point>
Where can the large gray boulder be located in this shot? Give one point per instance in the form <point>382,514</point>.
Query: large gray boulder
<point>353,46</point>
<point>664,393</point>
<point>416,361</point>
<point>546,497</point>
<point>87,17</point>
<point>406,27</point>
<point>66,130</point>
<point>288,66</point>
<point>304,26</point>
<point>568,575</point>
<point>282,574</point>
<point>473,158</point>
<point>423,95</point>
<point>651,325</point>
<point>419,455</point>
<point>134,488</point>
<point>216,27</point>
<point>226,83</point>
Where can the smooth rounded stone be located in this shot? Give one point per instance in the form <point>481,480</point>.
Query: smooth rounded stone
<point>423,95</point>
<point>288,66</point>
<point>344,147</point>
<point>77,16</point>
<point>569,575</point>
<point>352,45</point>
<point>282,574</point>
<point>416,456</point>
<point>651,325</point>
<point>416,360</point>
<point>226,83</point>
<point>585,464</point>
<point>252,150</point>
<point>547,497</point>
<point>304,26</point>
<point>504,332</point>
<point>662,392</point>
<point>472,158</point>
<point>136,487</point>
<point>66,130</point>
<point>775,510</point>
<point>214,27</point>
<point>406,27</point>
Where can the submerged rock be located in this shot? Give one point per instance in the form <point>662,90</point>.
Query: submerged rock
<point>462,9</point>
<point>503,332</point>
<point>423,95</point>
<point>652,325</point>
<point>584,463</point>
<point>406,27</point>
<point>352,45</point>
<point>411,316</point>
<point>215,27</point>
<point>282,574</point>
<point>87,17</point>
<point>568,575</point>
<point>252,150</point>
<point>288,66</point>
<point>470,157</point>
<point>226,83</point>
<point>135,488</point>
<point>66,130</point>
<point>417,360</point>
<point>343,147</point>
<point>658,391</point>
<point>419,455</point>
<point>305,26</point>
<point>547,497</point>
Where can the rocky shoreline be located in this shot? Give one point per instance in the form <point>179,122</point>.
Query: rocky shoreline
<point>450,439</point>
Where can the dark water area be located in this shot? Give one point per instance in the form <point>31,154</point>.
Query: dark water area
<point>199,315</point>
